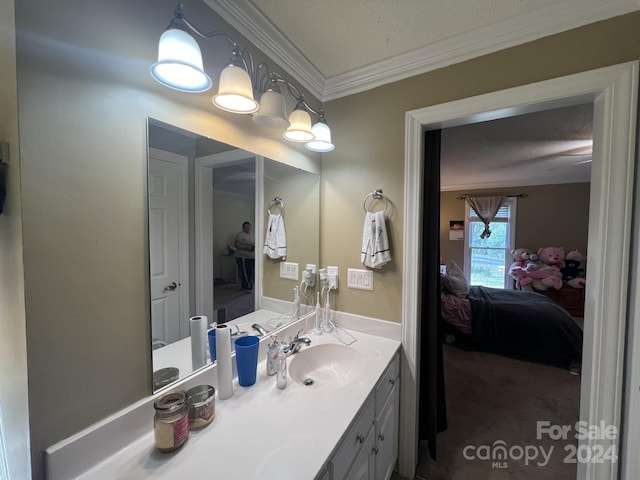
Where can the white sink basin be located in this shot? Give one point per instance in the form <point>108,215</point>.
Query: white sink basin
<point>326,366</point>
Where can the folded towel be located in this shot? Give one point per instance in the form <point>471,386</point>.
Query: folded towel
<point>375,243</point>
<point>275,243</point>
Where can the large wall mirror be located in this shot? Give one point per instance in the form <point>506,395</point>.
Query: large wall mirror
<point>204,199</point>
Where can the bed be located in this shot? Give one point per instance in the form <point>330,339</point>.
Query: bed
<point>527,325</point>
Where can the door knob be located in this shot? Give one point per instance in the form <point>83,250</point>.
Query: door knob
<point>171,286</point>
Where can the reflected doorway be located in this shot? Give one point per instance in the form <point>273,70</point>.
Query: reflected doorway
<point>234,197</point>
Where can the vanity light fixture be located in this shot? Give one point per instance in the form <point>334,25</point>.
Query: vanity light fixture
<point>235,91</point>
<point>180,67</point>
<point>179,64</point>
<point>300,125</point>
<point>322,134</point>
<point>272,111</point>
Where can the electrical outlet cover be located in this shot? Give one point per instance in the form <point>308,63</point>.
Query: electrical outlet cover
<point>360,279</point>
<point>289,270</point>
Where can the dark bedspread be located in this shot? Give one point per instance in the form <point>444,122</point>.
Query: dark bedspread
<point>524,324</point>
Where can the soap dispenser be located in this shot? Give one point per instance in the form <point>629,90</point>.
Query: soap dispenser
<point>281,373</point>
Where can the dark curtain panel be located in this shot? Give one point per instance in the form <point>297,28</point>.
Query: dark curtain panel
<point>432,410</point>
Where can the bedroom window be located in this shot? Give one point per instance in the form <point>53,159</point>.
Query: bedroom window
<point>486,261</point>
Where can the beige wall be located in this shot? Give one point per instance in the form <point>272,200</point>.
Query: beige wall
<point>368,131</point>
<point>14,420</point>
<point>300,192</point>
<point>85,94</point>
<point>551,215</point>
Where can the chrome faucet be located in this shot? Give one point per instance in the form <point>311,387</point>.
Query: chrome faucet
<point>296,344</point>
<point>260,329</point>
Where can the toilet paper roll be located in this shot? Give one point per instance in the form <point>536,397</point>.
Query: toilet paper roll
<point>224,367</point>
<point>198,330</point>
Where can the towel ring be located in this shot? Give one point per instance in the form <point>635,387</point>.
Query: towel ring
<point>375,195</point>
<point>276,202</point>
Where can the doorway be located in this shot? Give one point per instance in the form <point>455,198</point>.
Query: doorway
<point>514,384</point>
<point>614,93</point>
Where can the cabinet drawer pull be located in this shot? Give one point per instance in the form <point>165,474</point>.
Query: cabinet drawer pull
<point>381,437</point>
<point>392,381</point>
<point>360,438</point>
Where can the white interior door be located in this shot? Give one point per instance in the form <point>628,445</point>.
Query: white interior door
<point>168,245</point>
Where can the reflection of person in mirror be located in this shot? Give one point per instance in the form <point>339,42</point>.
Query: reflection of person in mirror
<point>245,256</point>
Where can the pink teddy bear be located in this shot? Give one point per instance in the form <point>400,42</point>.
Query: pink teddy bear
<point>549,275</point>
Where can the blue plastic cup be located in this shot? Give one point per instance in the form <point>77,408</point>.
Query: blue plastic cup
<point>247,359</point>
<point>212,344</point>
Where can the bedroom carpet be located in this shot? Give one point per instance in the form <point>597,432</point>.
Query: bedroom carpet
<point>237,302</point>
<point>492,398</point>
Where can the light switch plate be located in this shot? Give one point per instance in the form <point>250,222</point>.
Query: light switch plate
<point>360,279</point>
<point>289,270</point>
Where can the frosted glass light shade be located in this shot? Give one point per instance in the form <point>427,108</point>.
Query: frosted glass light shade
<point>322,143</point>
<point>300,127</point>
<point>235,93</point>
<point>179,63</point>
<point>272,111</point>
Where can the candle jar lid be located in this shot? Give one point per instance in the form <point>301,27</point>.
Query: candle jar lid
<point>201,406</point>
<point>200,395</point>
<point>165,376</point>
<point>171,401</point>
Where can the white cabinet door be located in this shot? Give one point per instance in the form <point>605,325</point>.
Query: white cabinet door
<point>363,467</point>
<point>386,441</point>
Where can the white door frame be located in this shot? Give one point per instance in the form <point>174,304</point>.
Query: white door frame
<point>614,93</point>
<point>203,214</point>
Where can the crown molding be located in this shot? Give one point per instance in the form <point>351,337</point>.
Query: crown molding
<point>249,21</point>
<point>489,39</point>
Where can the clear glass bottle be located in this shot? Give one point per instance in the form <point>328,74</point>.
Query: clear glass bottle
<point>171,421</point>
<point>281,373</point>
<point>272,355</point>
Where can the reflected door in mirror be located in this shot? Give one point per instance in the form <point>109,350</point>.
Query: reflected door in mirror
<point>168,215</point>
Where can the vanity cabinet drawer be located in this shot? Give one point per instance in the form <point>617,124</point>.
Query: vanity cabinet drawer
<point>353,441</point>
<point>387,382</point>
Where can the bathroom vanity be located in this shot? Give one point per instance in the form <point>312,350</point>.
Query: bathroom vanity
<point>343,426</point>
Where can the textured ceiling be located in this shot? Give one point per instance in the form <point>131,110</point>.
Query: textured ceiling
<point>542,148</point>
<point>338,36</point>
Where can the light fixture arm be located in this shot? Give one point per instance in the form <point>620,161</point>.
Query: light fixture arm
<point>275,77</point>
<point>242,54</point>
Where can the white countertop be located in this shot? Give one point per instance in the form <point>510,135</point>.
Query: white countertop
<point>260,432</point>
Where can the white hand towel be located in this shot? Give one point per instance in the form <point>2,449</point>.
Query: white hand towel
<point>375,243</point>
<point>275,243</point>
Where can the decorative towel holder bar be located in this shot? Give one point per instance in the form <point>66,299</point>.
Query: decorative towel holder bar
<point>375,194</point>
<point>276,202</point>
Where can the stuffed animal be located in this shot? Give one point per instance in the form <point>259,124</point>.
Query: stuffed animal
<point>534,262</point>
<point>546,273</point>
<point>520,258</point>
<point>572,269</point>
<point>552,256</point>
